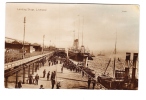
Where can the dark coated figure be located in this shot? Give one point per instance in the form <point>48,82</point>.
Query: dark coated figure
<point>44,73</point>
<point>19,84</point>
<point>30,79</point>
<point>94,83</point>
<point>36,79</point>
<point>41,87</point>
<point>58,85</point>
<point>62,69</point>
<point>48,75</point>
<point>89,82</point>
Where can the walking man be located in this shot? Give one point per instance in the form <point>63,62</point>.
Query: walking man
<point>94,83</point>
<point>54,74</point>
<point>30,79</point>
<point>44,73</point>
<point>89,81</point>
<point>36,79</point>
<point>62,69</point>
<point>19,84</point>
<point>53,83</point>
<point>49,63</point>
<point>53,79</point>
<point>48,74</point>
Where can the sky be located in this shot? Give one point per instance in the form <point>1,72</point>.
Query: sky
<point>101,25</point>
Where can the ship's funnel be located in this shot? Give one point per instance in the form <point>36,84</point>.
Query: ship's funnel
<point>82,49</point>
<point>76,44</point>
<point>128,58</point>
<point>135,56</point>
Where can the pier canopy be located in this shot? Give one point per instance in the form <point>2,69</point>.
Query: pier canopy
<point>26,60</point>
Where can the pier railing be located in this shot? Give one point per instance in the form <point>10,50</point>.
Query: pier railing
<point>88,75</point>
<point>25,60</point>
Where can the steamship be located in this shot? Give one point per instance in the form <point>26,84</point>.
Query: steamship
<point>78,54</point>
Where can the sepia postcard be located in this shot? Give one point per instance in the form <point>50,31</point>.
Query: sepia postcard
<point>86,46</point>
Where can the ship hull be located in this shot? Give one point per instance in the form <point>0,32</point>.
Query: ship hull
<point>79,56</point>
<point>118,84</point>
<point>75,56</point>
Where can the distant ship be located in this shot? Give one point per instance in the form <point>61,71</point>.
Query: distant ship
<point>101,54</point>
<point>92,55</point>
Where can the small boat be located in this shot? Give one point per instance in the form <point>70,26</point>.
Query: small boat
<point>92,55</point>
<point>100,54</point>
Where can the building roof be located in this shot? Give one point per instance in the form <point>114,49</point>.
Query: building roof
<point>15,41</point>
<point>35,44</point>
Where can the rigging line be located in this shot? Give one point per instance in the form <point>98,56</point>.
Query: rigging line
<point>115,50</point>
<point>115,56</point>
<point>82,30</point>
<point>79,25</point>
<point>116,43</point>
<point>74,34</point>
<point>78,30</point>
<point>107,66</point>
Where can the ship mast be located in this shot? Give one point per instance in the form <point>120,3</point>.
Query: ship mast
<point>115,51</point>
<point>78,30</point>
<point>82,31</point>
<point>74,37</point>
<point>74,30</point>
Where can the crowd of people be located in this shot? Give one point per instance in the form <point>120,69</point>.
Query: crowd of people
<point>79,68</point>
<point>51,76</point>
<point>33,79</point>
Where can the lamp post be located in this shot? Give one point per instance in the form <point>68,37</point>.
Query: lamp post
<point>24,37</point>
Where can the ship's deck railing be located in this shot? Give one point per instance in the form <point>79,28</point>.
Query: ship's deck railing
<point>22,61</point>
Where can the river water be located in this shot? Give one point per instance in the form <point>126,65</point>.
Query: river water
<point>99,64</point>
